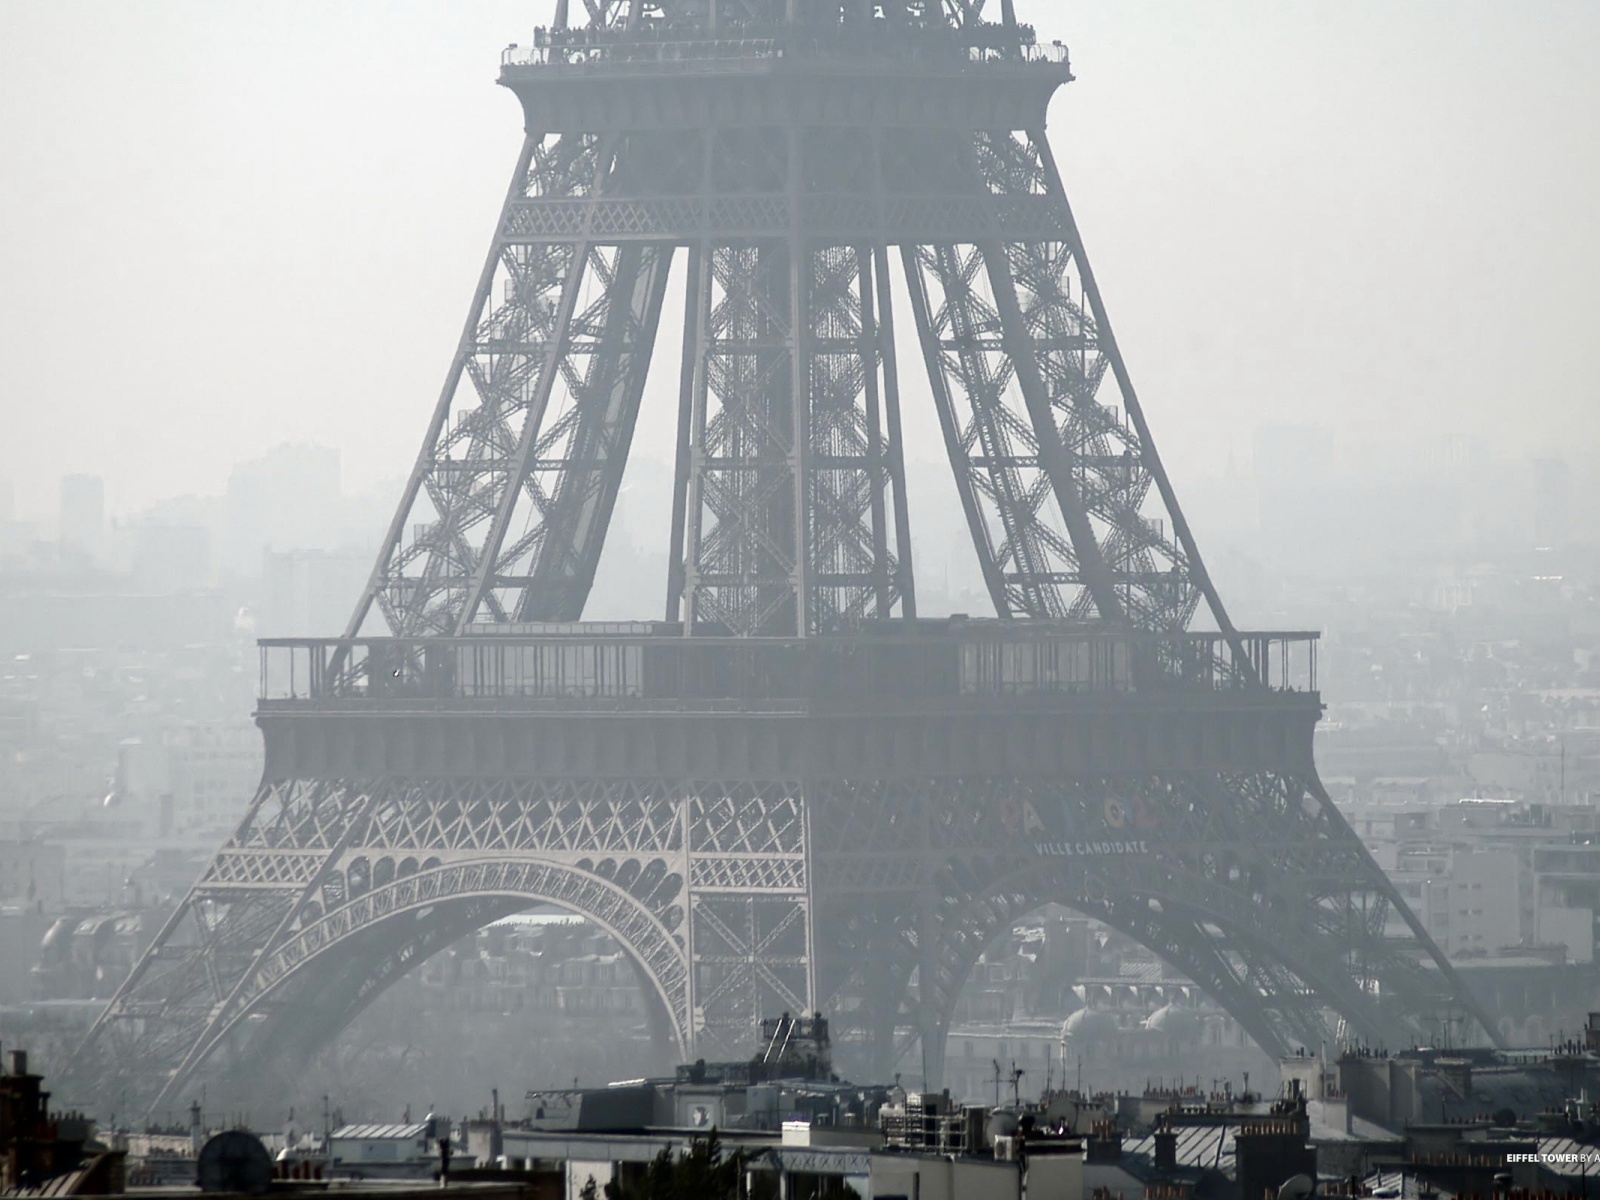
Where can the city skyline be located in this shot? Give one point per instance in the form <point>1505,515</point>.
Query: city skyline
<point>869,664</point>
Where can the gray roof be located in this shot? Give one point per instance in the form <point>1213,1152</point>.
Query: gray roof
<point>1526,1090</point>
<point>1583,1152</point>
<point>371,1133</point>
<point>1204,1147</point>
<point>1404,1184</point>
<point>1361,1130</point>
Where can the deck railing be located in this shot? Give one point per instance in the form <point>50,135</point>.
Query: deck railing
<point>674,50</point>
<point>626,668</point>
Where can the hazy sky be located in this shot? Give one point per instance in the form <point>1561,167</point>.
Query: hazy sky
<point>228,223</point>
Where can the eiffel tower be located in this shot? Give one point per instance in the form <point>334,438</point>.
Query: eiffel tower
<point>784,789</point>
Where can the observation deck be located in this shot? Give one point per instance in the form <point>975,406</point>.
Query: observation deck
<point>586,80</point>
<point>645,665</point>
<point>939,696</point>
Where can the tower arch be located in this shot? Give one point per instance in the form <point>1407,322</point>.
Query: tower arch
<point>325,970</point>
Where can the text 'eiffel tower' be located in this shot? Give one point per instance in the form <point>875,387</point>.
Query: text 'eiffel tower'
<point>790,792</point>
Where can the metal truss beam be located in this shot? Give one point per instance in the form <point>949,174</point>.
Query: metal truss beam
<point>789,506</point>
<point>321,876</point>
<point>839,220</point>
<point>1244,884</point>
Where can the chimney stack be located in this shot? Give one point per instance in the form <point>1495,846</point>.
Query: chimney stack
<point>1166,1147</point>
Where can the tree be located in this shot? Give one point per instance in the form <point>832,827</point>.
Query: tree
<point>834,1188</point>
<point>705,1173</point>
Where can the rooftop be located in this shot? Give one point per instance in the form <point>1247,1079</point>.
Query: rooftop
<point>411,1132</point>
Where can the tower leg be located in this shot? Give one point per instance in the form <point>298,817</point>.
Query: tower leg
<point>505,512</point>
<point>791,470</point>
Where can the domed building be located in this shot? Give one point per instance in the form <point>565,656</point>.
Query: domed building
<point>1182,1025</point>
<point>1089,1026</point>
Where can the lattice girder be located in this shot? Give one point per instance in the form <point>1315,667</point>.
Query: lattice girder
<point>791,475</point>
<point>318,871</point>
<point>1241,877</point>
<point>790,507</point>
<point>1244,878</point>
<point>507,506</point>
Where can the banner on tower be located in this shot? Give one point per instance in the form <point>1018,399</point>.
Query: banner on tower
<point>1114,826</point>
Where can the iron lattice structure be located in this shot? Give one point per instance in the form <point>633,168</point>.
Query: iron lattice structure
<point>792,792</point>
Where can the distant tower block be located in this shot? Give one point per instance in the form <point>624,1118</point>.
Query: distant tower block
<point>83,516</point>
<point>782,791</point>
